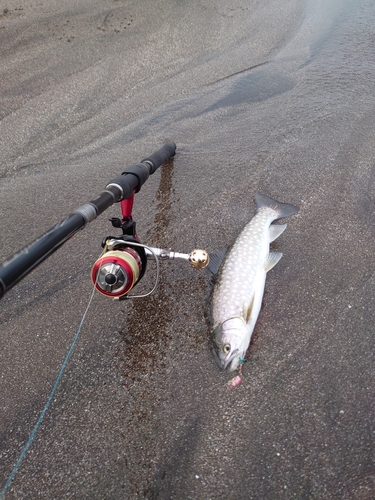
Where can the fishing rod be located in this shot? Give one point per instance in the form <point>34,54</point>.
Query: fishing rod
<point>124,260</point>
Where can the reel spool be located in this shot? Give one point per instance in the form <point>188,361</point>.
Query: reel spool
<point>115,274</point>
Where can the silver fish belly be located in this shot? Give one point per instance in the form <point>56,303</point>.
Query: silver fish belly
<point>238,293</point>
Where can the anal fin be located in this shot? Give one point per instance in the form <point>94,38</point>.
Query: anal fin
<point>275,231</point>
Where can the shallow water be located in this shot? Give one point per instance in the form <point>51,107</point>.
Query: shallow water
<point>272,96</point>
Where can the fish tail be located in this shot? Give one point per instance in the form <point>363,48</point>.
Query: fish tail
<point>282,209</point>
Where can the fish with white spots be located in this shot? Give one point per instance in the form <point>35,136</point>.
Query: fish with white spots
<point>238,293</point>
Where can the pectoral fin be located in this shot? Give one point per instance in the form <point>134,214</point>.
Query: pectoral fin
<point>248,309</point>
<point>272,260</point>
<point>275,231</point>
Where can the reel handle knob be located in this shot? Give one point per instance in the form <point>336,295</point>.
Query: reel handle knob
<point>199,258</point>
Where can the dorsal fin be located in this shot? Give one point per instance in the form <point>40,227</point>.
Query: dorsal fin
<point>216,259</point>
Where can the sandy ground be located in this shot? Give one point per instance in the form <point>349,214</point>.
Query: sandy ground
<point>271,95</point>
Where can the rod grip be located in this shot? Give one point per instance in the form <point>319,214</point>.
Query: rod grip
<point>161,155</point>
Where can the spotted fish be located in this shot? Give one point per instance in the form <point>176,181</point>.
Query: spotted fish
<point>238,293</point>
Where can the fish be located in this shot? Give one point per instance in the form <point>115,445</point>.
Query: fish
<point>241,276</point>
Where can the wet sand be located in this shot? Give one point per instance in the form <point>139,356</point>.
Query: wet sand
<point>271,96</point>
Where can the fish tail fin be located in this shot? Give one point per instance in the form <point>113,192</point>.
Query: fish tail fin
<point>282,209</point>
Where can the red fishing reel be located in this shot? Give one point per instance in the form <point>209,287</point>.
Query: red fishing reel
<point>117,271</point>
<point>124,263</point>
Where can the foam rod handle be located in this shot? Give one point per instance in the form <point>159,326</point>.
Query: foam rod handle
<point>161,155</point>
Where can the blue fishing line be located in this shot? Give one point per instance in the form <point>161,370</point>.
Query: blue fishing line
<point>49,400</point>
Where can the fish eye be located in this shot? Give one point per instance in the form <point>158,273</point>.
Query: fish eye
<point>226,348</point>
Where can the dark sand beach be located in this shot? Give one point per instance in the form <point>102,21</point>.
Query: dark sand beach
<point>276,96</point>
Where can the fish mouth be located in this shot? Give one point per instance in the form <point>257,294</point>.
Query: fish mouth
<point>225,363</point>
<point>229,362</point>
<point>217,359</point>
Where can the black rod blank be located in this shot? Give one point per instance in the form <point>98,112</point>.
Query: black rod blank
<point>23,262</point>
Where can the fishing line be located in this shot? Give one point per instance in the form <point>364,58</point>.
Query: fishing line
<point>49,400</point>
